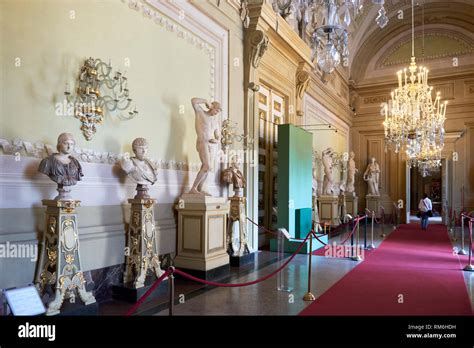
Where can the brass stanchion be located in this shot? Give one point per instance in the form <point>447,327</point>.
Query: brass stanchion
<point>470,267</point>
<point>309,296</point>
<point>357,256</point>
<point>372,246</point>
<point>171,290</point>
<point>462,251</point>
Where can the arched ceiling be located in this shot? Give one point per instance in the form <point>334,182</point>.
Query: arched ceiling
<point>447,33</point>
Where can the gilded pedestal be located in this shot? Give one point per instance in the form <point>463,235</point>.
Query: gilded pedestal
<point>202,238</point>
<point>141,251</point>
<point>59,262</point>
<point>237,243</point>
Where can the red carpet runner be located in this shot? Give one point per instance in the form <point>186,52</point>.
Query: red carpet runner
<point>414,266</point>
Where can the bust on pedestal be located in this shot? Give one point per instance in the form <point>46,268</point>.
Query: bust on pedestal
<point>237,241</point>
<point>202,218</point>
<point>59,262</point>
<point>141,249</point>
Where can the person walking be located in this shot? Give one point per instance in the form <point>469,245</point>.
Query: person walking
<point>425,206</point>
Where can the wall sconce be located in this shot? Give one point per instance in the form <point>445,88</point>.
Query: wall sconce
<point>98,89</point>
<point>228,135</point>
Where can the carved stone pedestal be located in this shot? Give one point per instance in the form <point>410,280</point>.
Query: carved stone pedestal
<point>141,251</point>
<point>328,209</point>
<point>373,203</point>
<point>59,262</point>
<point>352,202</point>
<point>202,225</point>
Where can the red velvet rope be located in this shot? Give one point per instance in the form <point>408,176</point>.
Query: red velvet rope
<point>263,227</point>
<point>226,285</point>
<point>146,294</point>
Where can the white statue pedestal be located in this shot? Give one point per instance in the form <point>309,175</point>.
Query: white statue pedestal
<point>328,209</point>
<point>202,243</point>
<point>352,202</point>
<point>59,262</point>
<point>373,203</point>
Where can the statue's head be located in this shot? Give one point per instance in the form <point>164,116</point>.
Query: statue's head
<point>215,108</point>
<point>140,148</point>
<point>235,161</point>
<point>351,154</point>
<point>65,143</point>
<point>372,160</point>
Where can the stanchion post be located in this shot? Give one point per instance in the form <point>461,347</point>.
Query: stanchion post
<point>365,231</point>
<point>352,237</point>
<point>462,251</point>
<point>383,222</point>
<point>470,267</point>
<point>171,290</point>
<point>372,246</point>
<point>309,296</point>
<point>357,256</point>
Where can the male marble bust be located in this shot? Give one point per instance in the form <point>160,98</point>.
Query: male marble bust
<point>234,176</point>
<point>139,168</point>
<point>61,167</point>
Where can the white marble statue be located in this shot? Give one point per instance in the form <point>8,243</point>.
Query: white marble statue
<point>61,167</point>
<point>372,176</point>
<point>139,168</point>
<point>328,183</point>
<point>207,130</point>
<point>351,172</point>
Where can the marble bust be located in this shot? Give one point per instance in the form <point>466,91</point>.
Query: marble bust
<point>234,176</point>
<point>61,167</point>
<point>372,175</point>
<point>139,168</point>
<point>208,136</point>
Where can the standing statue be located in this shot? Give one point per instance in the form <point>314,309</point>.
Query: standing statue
<point>61,167</point>
<point>207,131</point>
<point>139,168</point>
<point>352,171</point>
<point>327,158</point>
<point>372,175</point>
<point>236,246</point>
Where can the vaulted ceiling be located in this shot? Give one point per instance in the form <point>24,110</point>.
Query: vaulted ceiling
<point>444,39</point>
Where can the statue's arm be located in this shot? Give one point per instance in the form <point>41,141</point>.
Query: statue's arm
<point>196,101</point>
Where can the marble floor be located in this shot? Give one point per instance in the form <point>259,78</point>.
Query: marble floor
<point>194,299</point>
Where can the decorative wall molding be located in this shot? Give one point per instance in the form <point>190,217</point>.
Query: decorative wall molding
<point>376,99</point>
<point>21,148</point>
<point>199,30</point>
<point>258,44</point>
<point>302,81</point>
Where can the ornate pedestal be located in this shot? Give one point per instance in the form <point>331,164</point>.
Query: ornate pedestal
<point>59,262</point>
<point>141,251</point>
<point>328,209</point>
<point>373,203</point>
<point>352,202</point>
<point>237,240</point>
<point>202,241</point>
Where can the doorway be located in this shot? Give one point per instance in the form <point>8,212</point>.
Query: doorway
<point>434,185</point>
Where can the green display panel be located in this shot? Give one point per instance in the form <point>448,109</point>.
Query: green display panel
<point>294,179</point>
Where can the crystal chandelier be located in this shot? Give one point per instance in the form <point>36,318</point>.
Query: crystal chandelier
<point>329,21</point>
<point>412,119</point>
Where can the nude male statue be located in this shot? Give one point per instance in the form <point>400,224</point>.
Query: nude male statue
<point>207,131</point>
